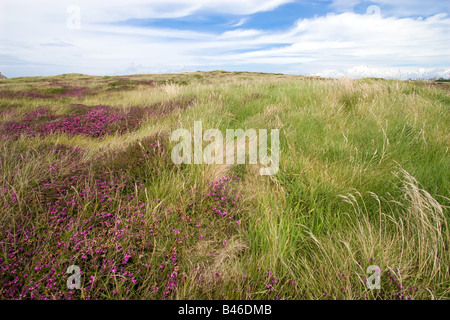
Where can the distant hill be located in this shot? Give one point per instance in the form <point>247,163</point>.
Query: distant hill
<point>2,76</point>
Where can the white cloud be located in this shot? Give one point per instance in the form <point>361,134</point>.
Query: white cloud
<point>118,10</point>
<point>364,71</point>
<point>398,8</point>
<point>34,40</point>
<point>240,23</point>
<point>338,44</point>
<point>239,33</point>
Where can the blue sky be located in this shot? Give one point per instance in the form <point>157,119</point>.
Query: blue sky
<point>390,39</point>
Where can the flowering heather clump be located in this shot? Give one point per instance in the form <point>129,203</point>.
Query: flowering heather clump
<point>402,291</point>
<point>41,122</point>
<point>95,121</point>
<point>95,222</point>
<point>31,124</point>
<point>89,214</point>
<point>223,201</point>
<point>270,281</point>
<point>95,214</point>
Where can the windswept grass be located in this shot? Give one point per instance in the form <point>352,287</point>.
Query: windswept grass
<point>86,179</point>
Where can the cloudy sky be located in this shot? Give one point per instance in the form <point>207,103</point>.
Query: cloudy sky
<point>391,39</point>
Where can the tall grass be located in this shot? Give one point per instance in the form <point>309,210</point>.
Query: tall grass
<point>364,180</point>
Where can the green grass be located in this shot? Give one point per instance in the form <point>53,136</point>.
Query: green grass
<point>364,180</point>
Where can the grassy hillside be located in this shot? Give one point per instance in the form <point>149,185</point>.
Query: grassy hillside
<point>86,179</point>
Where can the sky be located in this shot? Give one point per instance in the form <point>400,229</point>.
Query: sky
<point>401,39</point>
